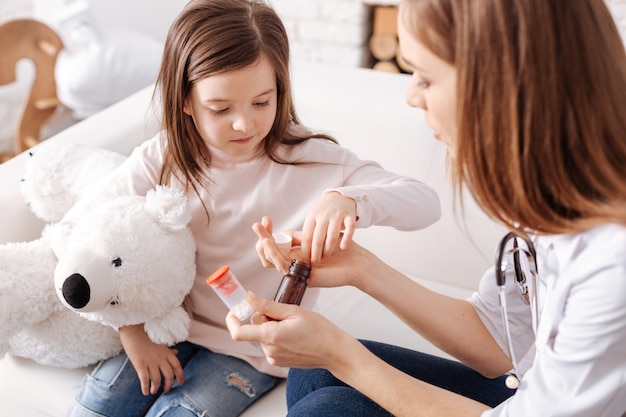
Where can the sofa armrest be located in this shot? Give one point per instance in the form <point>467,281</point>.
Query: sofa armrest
<point>365,110</point>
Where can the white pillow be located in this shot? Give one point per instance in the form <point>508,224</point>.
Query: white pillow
<point>106,70</point>
<point>99,66</point>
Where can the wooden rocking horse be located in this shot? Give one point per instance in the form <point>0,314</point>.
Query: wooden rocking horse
<point>30,39</point>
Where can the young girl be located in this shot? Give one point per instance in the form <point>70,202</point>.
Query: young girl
<point>530,98</point>
<point>232,142</point>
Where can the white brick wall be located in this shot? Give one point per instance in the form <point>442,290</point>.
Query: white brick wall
<point>327,30</point>
<point>334,31</point>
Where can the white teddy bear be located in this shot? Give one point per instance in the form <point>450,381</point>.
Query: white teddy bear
<point>129,260</point>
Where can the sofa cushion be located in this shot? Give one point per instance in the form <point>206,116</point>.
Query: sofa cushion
<point>29,389</point>
<point>365,110</point>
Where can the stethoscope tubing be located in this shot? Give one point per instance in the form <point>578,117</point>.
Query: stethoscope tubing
<point>513,379</point>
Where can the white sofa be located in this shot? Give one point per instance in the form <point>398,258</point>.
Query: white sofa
<point>366,111</point>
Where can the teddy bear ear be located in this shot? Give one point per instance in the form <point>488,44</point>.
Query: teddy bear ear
<point>168,208</point>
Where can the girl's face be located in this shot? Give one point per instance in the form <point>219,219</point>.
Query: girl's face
<point>432,88</point>
<point>234,111</point>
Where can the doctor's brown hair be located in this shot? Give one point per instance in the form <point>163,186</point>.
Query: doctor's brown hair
<point>210,37</point>
<point>541,116</point>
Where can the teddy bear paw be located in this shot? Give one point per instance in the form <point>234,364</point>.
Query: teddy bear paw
<point>170,328</point>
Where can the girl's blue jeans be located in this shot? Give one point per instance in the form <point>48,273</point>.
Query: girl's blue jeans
<point>215,385</point>
<point>316,392</point>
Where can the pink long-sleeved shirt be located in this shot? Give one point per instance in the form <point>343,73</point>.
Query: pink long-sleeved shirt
<point>242,190</point>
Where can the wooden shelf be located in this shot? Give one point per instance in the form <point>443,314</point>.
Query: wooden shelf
<point>383,42</point>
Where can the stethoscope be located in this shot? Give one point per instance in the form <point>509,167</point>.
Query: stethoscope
<point>525,287</point>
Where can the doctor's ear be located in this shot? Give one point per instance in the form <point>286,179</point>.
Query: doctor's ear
<point>187,108</point>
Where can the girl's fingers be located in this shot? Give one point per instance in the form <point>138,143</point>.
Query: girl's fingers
<point>177,368</point>
<point>267,223</point>
<point>306,237</point>
<point>318,241</point>
<point>144,380</point>
<point>262,231</point>
<point>269,252</point>
<point>349,226</point>
<point>333,236</point>
<point>168,378</point>
<point>262,244</point>
<point>155,380</point>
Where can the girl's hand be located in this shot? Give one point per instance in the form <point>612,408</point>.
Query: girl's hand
<point>290,336</point>
<point>329,224</point>
<point>268,251</point>
<point>151,360</point>
<point>349,266</point>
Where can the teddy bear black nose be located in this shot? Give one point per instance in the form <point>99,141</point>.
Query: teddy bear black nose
<point>76,291</point>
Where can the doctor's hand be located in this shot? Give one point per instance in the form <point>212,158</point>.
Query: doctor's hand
<point>291,336</point>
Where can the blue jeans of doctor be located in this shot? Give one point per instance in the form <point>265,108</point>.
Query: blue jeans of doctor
<point>316,392</point>
<point>215,385</point>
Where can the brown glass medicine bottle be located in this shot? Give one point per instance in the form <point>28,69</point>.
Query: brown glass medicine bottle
<point>293,285</point>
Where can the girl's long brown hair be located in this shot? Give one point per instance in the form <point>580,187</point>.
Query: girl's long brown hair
<point>541,113</point>
<point>210,37</point>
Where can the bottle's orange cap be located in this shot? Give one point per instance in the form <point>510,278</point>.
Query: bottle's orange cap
<point>217,274</point>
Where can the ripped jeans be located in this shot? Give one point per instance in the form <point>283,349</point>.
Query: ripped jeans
<point>215,385</point>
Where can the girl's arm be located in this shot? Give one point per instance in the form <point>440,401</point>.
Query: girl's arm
<point>360,193</point>
<point>400,202</point>
<point>385,198</point>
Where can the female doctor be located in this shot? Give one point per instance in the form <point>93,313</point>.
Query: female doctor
<point>530,98</point>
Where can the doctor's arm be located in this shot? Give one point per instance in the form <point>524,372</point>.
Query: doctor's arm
<point>300,338</point>
<point>449,323</point>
